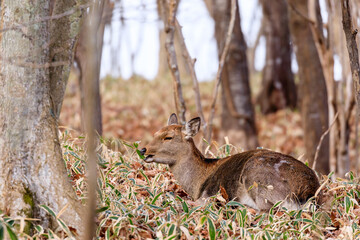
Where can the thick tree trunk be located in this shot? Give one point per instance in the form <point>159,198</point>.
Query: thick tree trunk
<point>278,87</point>
<point>236,95</point>
<point>312,88</point>
<point>32,171</point>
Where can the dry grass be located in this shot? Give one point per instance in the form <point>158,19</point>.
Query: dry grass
<point>143,201</point>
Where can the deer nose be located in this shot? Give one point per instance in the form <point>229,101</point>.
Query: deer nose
<point>143,151</point>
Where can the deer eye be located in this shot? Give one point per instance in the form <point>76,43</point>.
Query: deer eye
<point>168,138</point>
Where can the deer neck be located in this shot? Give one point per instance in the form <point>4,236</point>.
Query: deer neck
<point>192,170</point>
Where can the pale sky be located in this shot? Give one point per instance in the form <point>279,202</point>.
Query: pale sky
<point>132,45</point>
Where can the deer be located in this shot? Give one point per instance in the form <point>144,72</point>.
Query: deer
<point>256,178</point>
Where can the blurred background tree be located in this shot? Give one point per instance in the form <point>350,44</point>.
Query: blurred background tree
<point>296,59</point>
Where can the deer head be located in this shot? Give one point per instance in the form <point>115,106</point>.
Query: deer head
<point>173,142</point>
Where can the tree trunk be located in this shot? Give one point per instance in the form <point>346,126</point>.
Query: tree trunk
<point>32,171</point>
<point>312,88</point>
<point>278,87</point>
<point>236,95</point>
<point>80,58</point>
<point>350,35</point>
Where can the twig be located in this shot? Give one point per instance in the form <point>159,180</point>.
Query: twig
<point>191,62</point>
<point>220,68</point>
<point>169,13</point>
<point>322,139</point>
<point>350,35</point>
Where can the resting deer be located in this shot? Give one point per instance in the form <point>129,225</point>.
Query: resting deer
<point>257,178</point>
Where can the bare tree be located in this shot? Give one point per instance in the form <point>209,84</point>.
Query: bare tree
<point>91,91</point>
<point>105,9</point>
<point>312,87</point>
<point>31,92</point>
<point>278,86</point>
<point>238,117</point>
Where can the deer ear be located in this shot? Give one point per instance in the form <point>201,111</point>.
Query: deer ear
<point>172,119</point>
<point>192,127</point>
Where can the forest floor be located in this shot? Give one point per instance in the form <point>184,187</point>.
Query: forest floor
<point>142,200</point>
<point>133,110</point>
<point>138,200</point>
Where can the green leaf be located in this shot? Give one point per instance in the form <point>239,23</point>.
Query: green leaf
<point>307,220</point>
<point>39,229</point>
<point>211,228</point>
<point>64,227</point>
<point>49,210</point>
<point>347,204</point>
<point>156,197</point>
<point>185,207</point>
<point>144,175</point>
<point>107,235</point>
<point>267,235</point>
<point>233,203</point>
<point>139,154</point>
<point>171,230</point>
<point>12,235</point>
<point>351,176</point>
<point>51,234</point>
<point>99,210</point>
<point>202,220</point>
<point>2,232</point>
<point>194,210</point>
<point>156,207</point>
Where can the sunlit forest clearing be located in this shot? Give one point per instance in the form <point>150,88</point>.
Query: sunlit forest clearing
<point>269,152</point>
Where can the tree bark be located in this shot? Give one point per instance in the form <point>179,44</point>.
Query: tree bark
<point>278,86</point>
<point>81,60</point>
<point>312,88</point>
<point>32,171</point>
<point>350,35</point>
<point>236,94</point>
<point>64,34</point>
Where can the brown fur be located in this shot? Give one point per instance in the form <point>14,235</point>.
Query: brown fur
<point>258,178</point>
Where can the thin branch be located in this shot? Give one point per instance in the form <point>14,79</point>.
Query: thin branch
<point>322,139</point>
<point>220,68</point>
<point>169,13</point>
<point>191,62</point>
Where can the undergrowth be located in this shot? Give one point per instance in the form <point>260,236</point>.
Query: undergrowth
<point>137,200</point>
